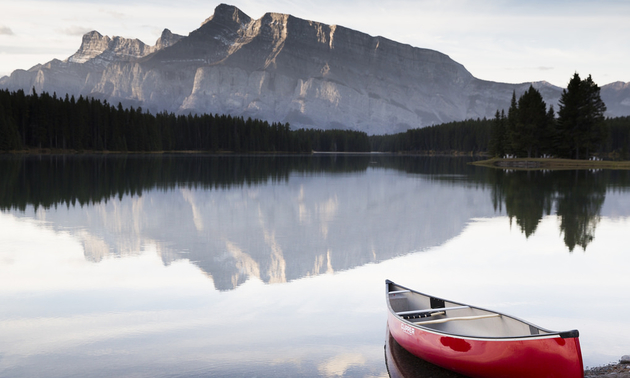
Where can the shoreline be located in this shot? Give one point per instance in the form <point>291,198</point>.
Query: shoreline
<point>48,151</point>
<point>618,370</point>
<point>551,164</point>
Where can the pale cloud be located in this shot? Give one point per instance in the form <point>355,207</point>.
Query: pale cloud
<point>113,13</point>
<point>75,30</point>
<point>5,30</point>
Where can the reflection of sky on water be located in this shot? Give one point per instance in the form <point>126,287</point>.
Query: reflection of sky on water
<point>72,306</point>
<point>137,312</point>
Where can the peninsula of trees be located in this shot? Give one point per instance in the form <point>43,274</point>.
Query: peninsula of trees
<point>529,129</point>
<point>532,130</point>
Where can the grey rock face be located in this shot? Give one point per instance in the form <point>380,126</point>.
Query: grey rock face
<point>285,69</point>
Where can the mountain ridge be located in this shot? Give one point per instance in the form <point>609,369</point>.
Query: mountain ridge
<point>285,69</point>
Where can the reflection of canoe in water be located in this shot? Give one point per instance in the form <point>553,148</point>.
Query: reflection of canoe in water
<point>476,342</point>
<point>402,364</point>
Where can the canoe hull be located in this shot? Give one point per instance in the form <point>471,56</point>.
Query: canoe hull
<point>516,358</point>
<point>545,356</point>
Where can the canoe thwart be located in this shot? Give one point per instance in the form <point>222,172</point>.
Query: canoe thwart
<point>415,312</point>
<point>437,321</point>
<point>399,292</point>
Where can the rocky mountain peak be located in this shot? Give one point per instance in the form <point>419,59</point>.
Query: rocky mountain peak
<point>228,15</point>
<point>100,50</point>
<point>92,45</point>
<point>167,39</point>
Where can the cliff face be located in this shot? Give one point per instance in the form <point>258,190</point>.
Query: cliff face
<point>282,68</point>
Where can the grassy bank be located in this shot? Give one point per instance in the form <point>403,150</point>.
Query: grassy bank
<point>540,163</point>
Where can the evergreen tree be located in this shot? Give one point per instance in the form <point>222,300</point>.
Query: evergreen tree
<point>593,113</point>
<point>580,119</point>
<point>530,125</point>
<point>549,135</point>
<point>499,133</point>
<point>9,135</point>
<point>512,120</point>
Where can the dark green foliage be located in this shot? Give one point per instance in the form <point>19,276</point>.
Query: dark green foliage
<point>44,121</point>
<point>532,124</point>
<point>498,139</point>
<point>9,136</point>
<point>580,127</point>
<point>579,131</point>
<point>618,141</point>
<point>529,127</point>
<point>512,120</point>
<point>493,136</point>
<point>464,136</point>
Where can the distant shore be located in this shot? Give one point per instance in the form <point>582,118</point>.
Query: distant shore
<point>554,164</point>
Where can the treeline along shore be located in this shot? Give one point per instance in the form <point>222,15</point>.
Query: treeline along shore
<point>475,135</point>
<point>44,121</point>
<point>530,129</point>
<point>47,122</point>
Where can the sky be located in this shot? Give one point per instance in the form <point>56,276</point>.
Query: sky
<point>510,41</point>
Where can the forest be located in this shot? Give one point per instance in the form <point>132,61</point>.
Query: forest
<point>530,128</point>
<point>86,124</point>
<point>474,136</point>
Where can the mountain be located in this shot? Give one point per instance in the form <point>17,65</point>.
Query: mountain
<point>284,69</point>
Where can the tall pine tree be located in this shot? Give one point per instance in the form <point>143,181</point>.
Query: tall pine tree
<point>529,125</point>
<point>498,137</point>
<point>580,125</point>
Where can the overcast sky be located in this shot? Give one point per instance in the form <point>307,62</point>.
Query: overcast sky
<point>500,40</point>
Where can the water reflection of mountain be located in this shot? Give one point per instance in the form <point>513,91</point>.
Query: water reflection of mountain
<point>283,217</point>
<point>577,197</point>
<point>278,218</point>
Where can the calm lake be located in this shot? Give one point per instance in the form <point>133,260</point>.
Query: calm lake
<point>275,266</point>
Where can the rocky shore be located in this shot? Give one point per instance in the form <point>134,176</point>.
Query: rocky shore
<point>619,370</point>
<point>552,163</point>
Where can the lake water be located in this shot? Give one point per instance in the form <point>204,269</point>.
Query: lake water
<point>272,266</point>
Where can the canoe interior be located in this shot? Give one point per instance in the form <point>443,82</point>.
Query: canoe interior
<point>501,326</point>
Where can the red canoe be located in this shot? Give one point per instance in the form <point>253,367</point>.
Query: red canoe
<point>479,343</point>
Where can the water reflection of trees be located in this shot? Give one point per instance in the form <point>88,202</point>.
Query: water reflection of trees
<point>52,180</point>
<point>578,197</point>
<point>49,181</point>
